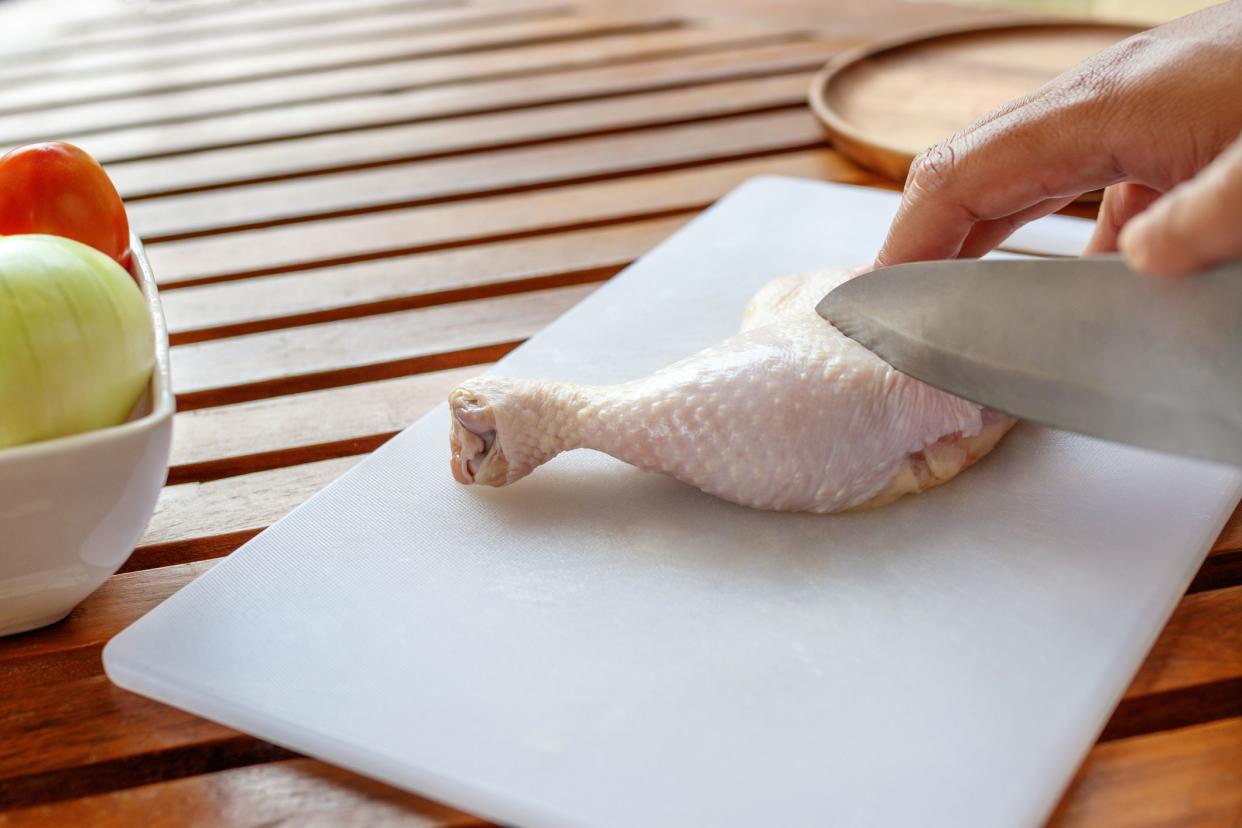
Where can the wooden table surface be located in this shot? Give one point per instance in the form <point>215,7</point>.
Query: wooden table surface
<point>353,204</point>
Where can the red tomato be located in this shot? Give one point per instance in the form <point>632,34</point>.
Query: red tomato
<point>58,189</point>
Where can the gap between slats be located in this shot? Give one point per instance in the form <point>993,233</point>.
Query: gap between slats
<point>1175,708</point>
<point>1219,570</point>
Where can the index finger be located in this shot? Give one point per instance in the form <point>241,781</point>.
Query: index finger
<point>1033,150</point>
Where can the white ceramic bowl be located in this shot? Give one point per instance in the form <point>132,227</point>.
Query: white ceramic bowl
<point>71,509</point>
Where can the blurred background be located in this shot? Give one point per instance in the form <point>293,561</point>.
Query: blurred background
<point>1144,11</point>
<point>19,17</point>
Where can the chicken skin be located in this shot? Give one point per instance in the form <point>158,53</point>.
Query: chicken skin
<point>789,414</point>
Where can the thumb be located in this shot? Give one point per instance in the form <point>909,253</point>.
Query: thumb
<point>1195,226</point>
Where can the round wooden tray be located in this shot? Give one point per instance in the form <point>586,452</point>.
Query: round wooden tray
<point>883,103</point>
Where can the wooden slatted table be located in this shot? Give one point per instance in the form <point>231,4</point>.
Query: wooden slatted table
<point>353,204</point>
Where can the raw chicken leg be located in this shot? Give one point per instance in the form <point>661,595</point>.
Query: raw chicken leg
<point>788,414</point>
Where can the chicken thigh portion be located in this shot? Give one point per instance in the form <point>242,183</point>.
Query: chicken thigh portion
<point>788,414</point>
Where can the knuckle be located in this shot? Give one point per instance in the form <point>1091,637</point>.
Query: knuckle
<point>1099,78</point>
<point>1088,84</point>
<point>932,169</point>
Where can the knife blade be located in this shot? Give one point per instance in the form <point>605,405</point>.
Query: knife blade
<point>1086,345</point>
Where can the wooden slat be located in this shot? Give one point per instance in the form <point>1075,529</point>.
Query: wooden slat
<point>1120,761</point>
<point>248,17</point>
<point>402,282</point>
<point>1190,777</point>
<point>106,15</point>
<point>197,511</point>
<point>547,45</point>
<point>1201,643</point>
<point>1219,570</point>
<point>84,737</point>
<point>222,502</point>
<point>468,29</point>
<point>188,512</point>
<point>620,67</point>
<point>1231,538</point>
<point>193,513</point>
<point>45,658</point>
<point>337,241</point>
<point>1193,673</point>
<point>70,650</point>
<point>114,16</point>
<point>867,20</point>
<point>195,521</point>
<point>119,14</point>
<point>291,792</point>
<point>160,54</point>
<point>224,507</point>
<point>446,179</point>
<point>302,428</point>
<point>421,141</point>
<point>1187,777</point>
<point>1223,566</point>
<point>353,350</point>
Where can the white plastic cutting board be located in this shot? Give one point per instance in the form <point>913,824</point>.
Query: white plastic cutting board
<point>596,646</point>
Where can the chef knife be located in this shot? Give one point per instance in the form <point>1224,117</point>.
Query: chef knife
<point>1087,345</point>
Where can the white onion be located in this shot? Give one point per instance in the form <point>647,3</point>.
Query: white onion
<point>76,342</point>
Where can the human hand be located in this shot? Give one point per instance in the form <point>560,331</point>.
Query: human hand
<point>1198,224</point>
<point>1150,112</point>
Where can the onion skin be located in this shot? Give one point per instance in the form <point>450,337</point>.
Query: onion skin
<point>76,341</point>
